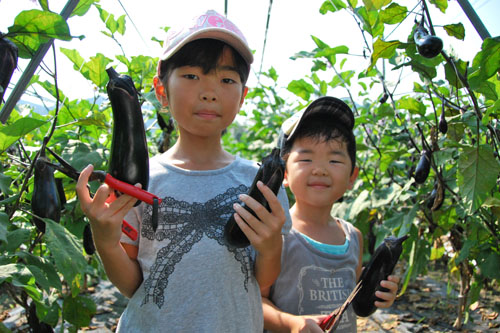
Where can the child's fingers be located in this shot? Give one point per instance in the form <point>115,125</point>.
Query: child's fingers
<point>245,228</point>
<point>273,201</point>
<point>81,187</point>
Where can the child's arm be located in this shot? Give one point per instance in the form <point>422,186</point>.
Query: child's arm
<point>106,220</point>
<point>278,321</point>
<point>264,233</point>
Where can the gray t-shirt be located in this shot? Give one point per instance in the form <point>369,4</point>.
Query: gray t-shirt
<point>313,282</point>
<point>194,282</point>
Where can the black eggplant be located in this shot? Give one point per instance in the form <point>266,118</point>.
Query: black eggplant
<point>129,160</point>
<point>34,323</point>
<point>88,240</point>
<point>166,128</point>
<point>423,167</point>
<point>379,267</point>
<point>45,200</point>
<point>428,46</point>
<point>271,172</point>
<point>8,63</point>
<point>443,124</point>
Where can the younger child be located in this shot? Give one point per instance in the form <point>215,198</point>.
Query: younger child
<point>182,276</point>
<point>322,254</point>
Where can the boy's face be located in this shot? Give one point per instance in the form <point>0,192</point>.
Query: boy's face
<point>318,172</point>
<point>203,104</point>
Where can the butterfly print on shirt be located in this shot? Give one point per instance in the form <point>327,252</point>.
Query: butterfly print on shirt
<point>184,224</point>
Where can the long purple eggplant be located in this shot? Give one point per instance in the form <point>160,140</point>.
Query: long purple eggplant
<point>271,173</point>
<point>129,161</point>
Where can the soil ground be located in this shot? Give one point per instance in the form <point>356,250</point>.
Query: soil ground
<point>426,306</point>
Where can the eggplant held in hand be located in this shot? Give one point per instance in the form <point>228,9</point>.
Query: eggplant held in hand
<point>271,173</point>
<point>45,201</point>
<point>8,62</point>
<point>379,268</point>
<point>129,160</point>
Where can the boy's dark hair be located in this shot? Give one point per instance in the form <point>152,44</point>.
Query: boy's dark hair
<point>325,119</point>
<point>204,53</point>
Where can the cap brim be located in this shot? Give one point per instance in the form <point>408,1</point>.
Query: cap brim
<point>327,107</point>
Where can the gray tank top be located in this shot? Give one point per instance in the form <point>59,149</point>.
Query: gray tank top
<point>314,282</point>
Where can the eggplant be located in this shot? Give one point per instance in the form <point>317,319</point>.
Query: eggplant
<point>8,63</point>
<point>379,267</point>
<point>166,128</point>
<point>45,201</point>
<point>88,240</point>
<point>428,46</point>
<point>129,161</point>
<point>271,172</point>
<point>443,124</point>
<point>34,323</point>
<point>423,167</point>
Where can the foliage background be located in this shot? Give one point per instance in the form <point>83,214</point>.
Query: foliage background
<point>452,216</point>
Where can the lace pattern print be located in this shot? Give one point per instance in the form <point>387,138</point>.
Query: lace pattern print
<point>183,224</point>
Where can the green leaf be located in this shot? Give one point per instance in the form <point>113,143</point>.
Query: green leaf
<point>393,14</point>
<point>96,69</point>
<point>83,7</point>
<point>4,224</point>
<point>451,74</point>
<point>489,268</point>
<point>478,170</point>
<point>35,27</point>
<point>332,6</point>
<point>375,4</point>
<point>13,132</point>
<point>456,30</point>
<point>383,49</point>
<point>79,310</point>
<point>494,205</point>
<point>487,61</point>
<point>15,273</point>
<point>371,21</point>
<point>66,250</point>
<point>411,104</point>
<point>17,237</point>
<point>45,270</point>
<point>488,90</point>
<point>440,4</point>
<point>74,56</point>
<point>301,88</point>
<point>5,182</point>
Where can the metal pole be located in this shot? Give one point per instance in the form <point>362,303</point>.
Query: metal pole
<point>474,19</point>
<point>32,66</point>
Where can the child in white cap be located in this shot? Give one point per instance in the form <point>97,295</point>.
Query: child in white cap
<point>322,254</point>
<point>183,276</point>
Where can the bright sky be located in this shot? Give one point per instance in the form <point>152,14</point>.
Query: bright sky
<point>292,22</point>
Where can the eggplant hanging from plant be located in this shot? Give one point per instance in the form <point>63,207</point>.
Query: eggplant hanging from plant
<point>129,161</point>
<point>379,267</point>
<point>443,124</point>
<point>423,167</point>
<point>45,200</point>
<point>8,63</point>
<point>271,173</point>
<point>88,240</point>
<point>428,46</point>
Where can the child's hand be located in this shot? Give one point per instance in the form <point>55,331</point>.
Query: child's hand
<point>264,232</point>
<point>105,217</point>
<point>307,324</point>
<point>392,284</point>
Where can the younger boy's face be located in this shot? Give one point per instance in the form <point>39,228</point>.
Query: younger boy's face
<point>318,172</point>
